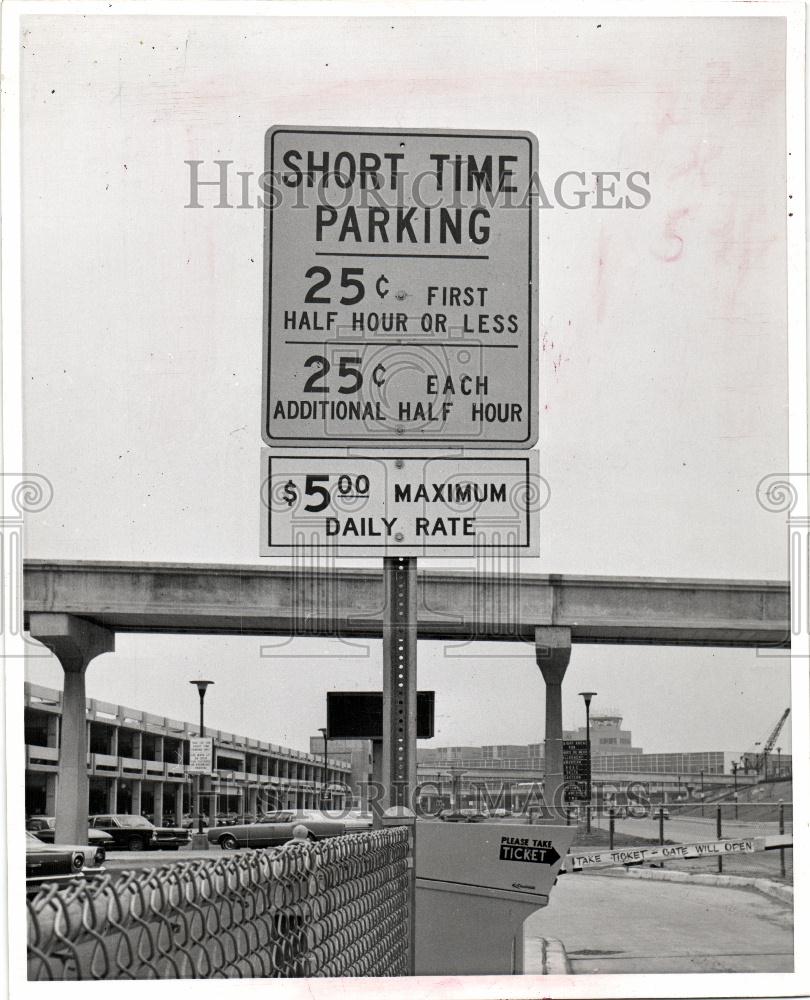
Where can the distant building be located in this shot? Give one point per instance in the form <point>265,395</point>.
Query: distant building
<point>613,756</point>
<point>607,735</point>
<point>356,754</point>
<point>137,763</point>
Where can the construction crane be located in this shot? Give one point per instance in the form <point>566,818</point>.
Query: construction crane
<point>758,760</point>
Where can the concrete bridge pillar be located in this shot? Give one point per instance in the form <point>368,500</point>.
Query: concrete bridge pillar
<point>552,646</point>
<point>75,642</point>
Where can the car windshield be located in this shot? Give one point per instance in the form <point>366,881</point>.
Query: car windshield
<point>137,821</point>
<point>41,823</point>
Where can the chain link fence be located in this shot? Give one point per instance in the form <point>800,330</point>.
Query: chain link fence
<point>338,907</point>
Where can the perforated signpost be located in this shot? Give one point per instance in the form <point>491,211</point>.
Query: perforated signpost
<point>400,327</point>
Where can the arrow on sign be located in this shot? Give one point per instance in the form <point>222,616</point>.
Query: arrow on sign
<point>550,856</point>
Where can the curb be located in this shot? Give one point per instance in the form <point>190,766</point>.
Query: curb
<point>545,957</point>
<point>762,885</point>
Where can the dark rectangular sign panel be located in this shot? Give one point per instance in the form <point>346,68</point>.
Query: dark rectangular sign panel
<point>358,715</point>
<point>576,769</point>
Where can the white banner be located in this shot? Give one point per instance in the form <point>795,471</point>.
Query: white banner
<point>664,852</point>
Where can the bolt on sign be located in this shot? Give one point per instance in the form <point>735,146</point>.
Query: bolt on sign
<point>410,505</point>
<point>200,755</point>
<point>401,291</point>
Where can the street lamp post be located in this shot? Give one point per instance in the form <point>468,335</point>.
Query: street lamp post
<point>587,695</point>
<point>778,762</point>
<point>323,732</point>
<point>202,687</point>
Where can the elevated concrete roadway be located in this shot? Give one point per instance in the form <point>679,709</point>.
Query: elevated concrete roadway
<point>76,608</point>
<point>155,597</point>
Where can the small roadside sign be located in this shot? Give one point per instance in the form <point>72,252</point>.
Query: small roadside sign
<point>200,755</point>
<point>401,288</point>
<point>409,505</point>
<point>576,770</point>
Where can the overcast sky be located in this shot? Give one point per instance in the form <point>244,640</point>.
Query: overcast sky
<point>663,379</point>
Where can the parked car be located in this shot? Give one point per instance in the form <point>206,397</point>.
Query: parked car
<point>136,833</point>
<point>463,815</point>
<point>44,828</point>
<point>277,828</point>
<point>61,863</point>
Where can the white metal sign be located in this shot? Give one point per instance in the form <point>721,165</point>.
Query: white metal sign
<point>400,288</point>
<point>200,755</point>
<point>412,505</point>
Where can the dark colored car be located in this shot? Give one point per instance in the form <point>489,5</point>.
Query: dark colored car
<point>60,863</point>
<point>136,833</point>
<point>44,828</point>
<point>277,828</point>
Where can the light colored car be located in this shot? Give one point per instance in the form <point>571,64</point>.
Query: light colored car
<point>277,827</point>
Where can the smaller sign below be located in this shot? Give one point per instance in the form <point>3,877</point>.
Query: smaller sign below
<point>576,770</point>
<point>408,505</point>
<point>200,755</point>
<point>358,715</point>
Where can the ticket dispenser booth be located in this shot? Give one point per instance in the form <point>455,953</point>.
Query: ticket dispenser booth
<point>476,883</point>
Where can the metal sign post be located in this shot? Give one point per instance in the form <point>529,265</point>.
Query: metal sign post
<point>401,296</point>
<point>399,682</point>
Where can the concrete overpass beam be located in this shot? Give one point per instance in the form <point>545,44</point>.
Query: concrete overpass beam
<point>75,643</point>
<point>552,647</point>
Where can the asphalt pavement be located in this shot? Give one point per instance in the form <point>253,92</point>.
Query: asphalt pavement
<point>611,925</point>
<point>689,829</point>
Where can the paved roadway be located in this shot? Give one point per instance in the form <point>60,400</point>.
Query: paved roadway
<point>120,860</point>
<point>690,829</point>
<point>621,925</point>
